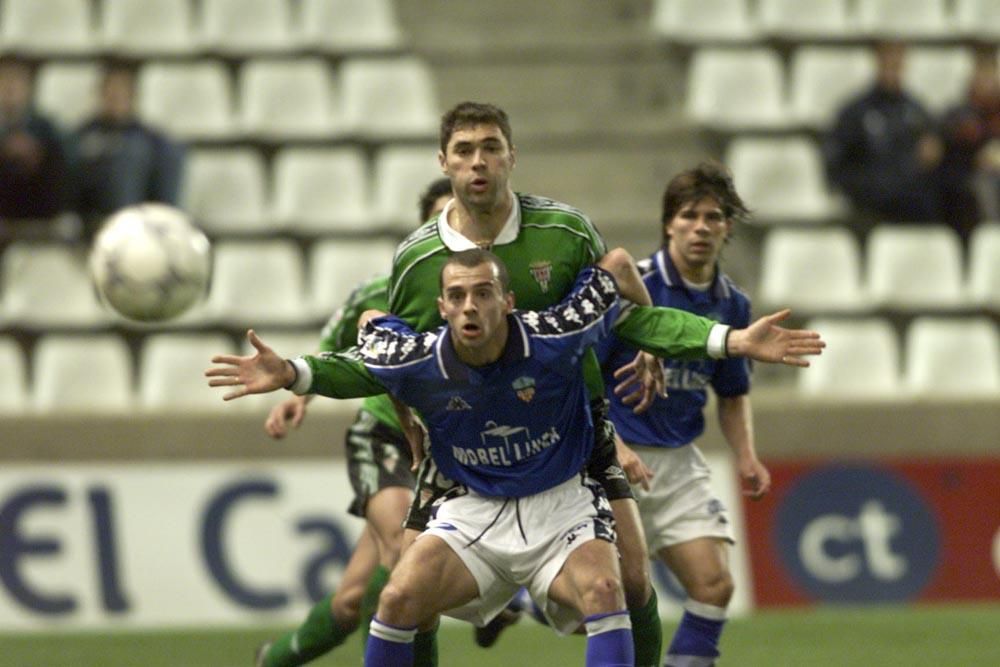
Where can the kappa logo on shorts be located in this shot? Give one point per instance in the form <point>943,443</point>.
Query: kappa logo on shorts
<point>457,403</point>
<point>524,387</point>
<point>575,531</point>
<point>542,273</point>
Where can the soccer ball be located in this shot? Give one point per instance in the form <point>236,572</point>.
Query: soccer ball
<point>150,263</point>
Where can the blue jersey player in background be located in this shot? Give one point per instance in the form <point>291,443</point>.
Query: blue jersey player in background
<point>686,526</point>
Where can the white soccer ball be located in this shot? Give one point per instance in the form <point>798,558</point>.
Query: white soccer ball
<point>150,263</point>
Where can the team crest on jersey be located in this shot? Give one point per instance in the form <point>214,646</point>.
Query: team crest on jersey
<point>524,387</point>
<point>542,273</point>
<point>457,403</point>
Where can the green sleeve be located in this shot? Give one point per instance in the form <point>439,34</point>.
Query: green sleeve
<point>341,330</point>
<point>666,332</point>
<point>342,375</point>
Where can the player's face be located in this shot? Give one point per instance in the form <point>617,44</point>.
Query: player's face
<point>478,161</point>
<point>696,234</point>
<point>475,306</point>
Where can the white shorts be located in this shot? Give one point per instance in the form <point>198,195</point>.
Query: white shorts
<point>680,505</point>
<point>507,543</point>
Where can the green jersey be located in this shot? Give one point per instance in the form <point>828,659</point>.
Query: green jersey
<point>341,333</point>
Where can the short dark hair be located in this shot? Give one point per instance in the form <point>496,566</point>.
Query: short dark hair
<point>472,258</point>
<point>708,179</point>
<point>438,188</point>
<point>468,114</point>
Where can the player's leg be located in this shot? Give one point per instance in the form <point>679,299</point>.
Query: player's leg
<point>702,567</point>
<point>384,513</point>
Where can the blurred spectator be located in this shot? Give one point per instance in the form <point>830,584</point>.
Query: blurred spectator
<point>32,155</point>
<point>971,166</point>
<point>883,151</point>
<point>121,161</point>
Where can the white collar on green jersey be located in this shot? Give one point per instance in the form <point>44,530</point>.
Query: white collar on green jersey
<point>456,242</point>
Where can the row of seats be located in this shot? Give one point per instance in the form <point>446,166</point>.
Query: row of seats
<point>307,190</point>
<point>254,283</point>
<point>696,21</point>
<point>863,359</point>
<point>746,88</point>
<point>905,267</point>
<point>157,27</point>
<point>957,357</point>
<point>96,372</point>
<point>275,99</point>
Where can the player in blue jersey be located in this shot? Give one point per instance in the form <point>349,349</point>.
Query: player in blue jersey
<point>686,526</point>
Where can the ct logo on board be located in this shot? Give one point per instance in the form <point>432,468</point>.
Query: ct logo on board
<point>857,534</point>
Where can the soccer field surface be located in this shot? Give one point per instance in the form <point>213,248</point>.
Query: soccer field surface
<point>830,636</point>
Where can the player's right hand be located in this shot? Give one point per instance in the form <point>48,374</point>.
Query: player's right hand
<point>289,412</point>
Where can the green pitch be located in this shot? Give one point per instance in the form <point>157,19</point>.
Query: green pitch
<point>928,636</point>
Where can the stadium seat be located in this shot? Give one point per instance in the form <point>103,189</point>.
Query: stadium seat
<point>861,360</point>
<point>147,27</point>
<point>978,19</point>
<point>225,190</point>
<point>823,78</point>
<point>81,373</point>
<point>172,370</point>
<point>736,89</point>
<point>258,283</point>
<point>401,174</point>
<point>67,91</point>
<point>952,356</point>
<point>782,179</point>
<point>698,21</point>
<point>385,99</point>
<point>813,20</point>
<point>321,191</point>
<point>13,384</point>
<point>338,266</point>
<point>902,19</point>
<point>287,99</point>
<point>193,100</point>
<point>984,266</point>
<point>346,26</point>
<point>937,76</point>
<point>811,270</point>
<point>48,285</point>
<point>246,26</point>
<point>914,266</point>
<point>50,27</point>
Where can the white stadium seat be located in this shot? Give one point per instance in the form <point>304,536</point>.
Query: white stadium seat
<point>388,98</point>
<point>67,91</point>
<point>984,265</point>
<point>193,100</point>
<point>48,285</point>
<point>258,283</point>
<point>147,27</point>
<point>914,266</point>
<point>979,19</point>
<point>861,360</point>
<point>321,190</point>
<point>937,76</point>
<point>736,89</point>
<point>782,179</point>
<point>813,20</point>
<point>13,379</point>
<point>811,270</point>
<point>81,373</point>
<point>401,175</point>
<point>287,99</point>
<point>952,356</point>
<point>338,266</point>
<point>172,369</point>
<point>903,18</point>
<point>823,78</point>
<point>225,190</point>
<point>52,26</point>
<point>697,21</point>
<point>349,25</point>
<point>246,26</point>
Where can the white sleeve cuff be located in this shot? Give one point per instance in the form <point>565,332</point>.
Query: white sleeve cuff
<point>716,345</point>
<point>303,376</point>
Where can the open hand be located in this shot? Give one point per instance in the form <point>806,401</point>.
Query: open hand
<point>253,374</point>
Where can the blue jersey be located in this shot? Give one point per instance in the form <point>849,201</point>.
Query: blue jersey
<point>515,427</point>
<point>678,419</point>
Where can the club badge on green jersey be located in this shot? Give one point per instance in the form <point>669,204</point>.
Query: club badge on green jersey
<point>524,387</point>
<point>541,271</point>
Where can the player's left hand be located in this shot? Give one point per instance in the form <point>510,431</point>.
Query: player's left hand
<point>645,374</point>
<point>755,477</point>
<point>636,471</point>
<point>764,340</point>
<point>253,374</point>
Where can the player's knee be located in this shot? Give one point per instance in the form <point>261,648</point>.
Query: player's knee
<point>396,605</point>
<point>715,590</point>
<point>346,607</point>
<point>604,593</point>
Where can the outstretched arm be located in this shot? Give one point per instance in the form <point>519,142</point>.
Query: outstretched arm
<point>765,341</point>
<point>258,373</point>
